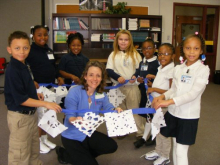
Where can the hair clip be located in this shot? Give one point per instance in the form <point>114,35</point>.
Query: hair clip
<point>184,38</point>
<point>31,35</point>
<point>196,33</point>
<point>181,59</point>
<point>203,58</point>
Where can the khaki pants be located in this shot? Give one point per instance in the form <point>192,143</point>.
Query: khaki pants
<point>23,139</point>
<point>131,101</point>
<point>163,144</point>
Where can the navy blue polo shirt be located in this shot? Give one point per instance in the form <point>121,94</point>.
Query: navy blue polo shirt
<point>73,64</point>
<point>43,68</point>
<point>152,69</point>
<point>19,86</point>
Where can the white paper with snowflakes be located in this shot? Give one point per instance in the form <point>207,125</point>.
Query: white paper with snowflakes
<point>89,124</point>
<point>50,124</point>
<point>157,122</point>
<point>115,97</point>
<point>119,124</point>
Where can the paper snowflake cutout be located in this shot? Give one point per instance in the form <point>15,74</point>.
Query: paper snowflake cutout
<point>157,122</point>
<point>89,124</point>
<point>119,124</point>
<point>115,97</point>
<point>50,124</point>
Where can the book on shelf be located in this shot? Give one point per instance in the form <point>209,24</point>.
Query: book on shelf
<point>95,37</point>
<point>60,37</point>
<point>123,23</point>
<point>144,23</point>
<point>107,45</point>
<point>132,24</point>
<point>154,37</point>
<point>103,23</point>
<point>72,23</point>
<point>155,29</point>
<point>108,37</point>
<point>139,36</point>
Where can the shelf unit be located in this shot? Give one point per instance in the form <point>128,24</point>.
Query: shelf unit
<point>102,24</point>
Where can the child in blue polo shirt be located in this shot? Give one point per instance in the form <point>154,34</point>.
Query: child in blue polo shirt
<point>21,100</point>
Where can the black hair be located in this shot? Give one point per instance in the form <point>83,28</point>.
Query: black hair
<point>34,28</point>
<point>17,35</point>
<point>148,40</point>
<point>73,36</point>
<point>168,45</point>
<point>198,36</point>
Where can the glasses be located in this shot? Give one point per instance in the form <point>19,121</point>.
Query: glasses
<point>165,54</point>
<point>147,48</point>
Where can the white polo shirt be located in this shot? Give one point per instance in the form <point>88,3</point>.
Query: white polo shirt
<point>189,83</point>
<point>123,66</point>
<point>162,79</point>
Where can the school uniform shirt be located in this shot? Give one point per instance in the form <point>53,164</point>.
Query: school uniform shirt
<point>19,86</point>
<point>42,64</point>
<point>189,83</point>
<point>123,65</point>
<point>162,79</point>
<point>77,99</point>
<point>73,64</point>
<point>143,71</point>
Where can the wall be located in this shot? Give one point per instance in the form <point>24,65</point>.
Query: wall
<point>156,7</point>
<point>16,15</point>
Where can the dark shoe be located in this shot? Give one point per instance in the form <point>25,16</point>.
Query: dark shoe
<point>139,143</point>
<point>150,142</point>
<point>121,137</point>
<point>59,155</point>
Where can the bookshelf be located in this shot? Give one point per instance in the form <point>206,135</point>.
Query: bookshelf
<point>99,31</point>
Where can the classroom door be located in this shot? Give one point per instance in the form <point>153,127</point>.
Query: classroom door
<point>185,25</point>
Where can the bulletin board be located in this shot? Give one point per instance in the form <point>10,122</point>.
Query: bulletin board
<point>75,9</point>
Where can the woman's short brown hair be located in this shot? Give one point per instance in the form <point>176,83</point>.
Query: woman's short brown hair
<point>102,84</point>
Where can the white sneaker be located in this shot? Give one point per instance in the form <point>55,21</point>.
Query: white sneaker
<point>47,142</point>
<point>152,155</point>
<point>43,148</point>
<point>161,161</point>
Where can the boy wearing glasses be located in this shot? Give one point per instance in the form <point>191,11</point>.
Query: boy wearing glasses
<point>148,65</point>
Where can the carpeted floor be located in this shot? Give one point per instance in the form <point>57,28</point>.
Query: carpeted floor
<point>206,151</point>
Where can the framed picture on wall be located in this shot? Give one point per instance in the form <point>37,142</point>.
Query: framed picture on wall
<point>94,4</point>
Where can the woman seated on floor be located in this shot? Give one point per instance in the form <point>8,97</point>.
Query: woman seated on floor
<point>80,148</point>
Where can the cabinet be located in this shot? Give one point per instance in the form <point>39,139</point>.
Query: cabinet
<point>99,31</point>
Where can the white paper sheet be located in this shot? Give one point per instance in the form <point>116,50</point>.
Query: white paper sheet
<point>119,124</point>
<point>157,122</point>
<point>89,124</point>
<point>115,97</point>
<point>50,124</point>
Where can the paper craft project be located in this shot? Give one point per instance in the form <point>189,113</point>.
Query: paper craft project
<point>157,122</point>
<point>61,92</point>
<point>90,122</point>
<point>119,124</point>
<point>50,124</point>
<point>115,97</point>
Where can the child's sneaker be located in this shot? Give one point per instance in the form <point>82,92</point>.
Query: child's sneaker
<point>152,155</point>
<point>161,161</point>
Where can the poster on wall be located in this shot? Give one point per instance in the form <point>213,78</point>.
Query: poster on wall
<point>94,4</point>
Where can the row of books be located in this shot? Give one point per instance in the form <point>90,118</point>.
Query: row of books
<point>61,36</point>
<point>105,37</point>
<point>132,24</point>
<point>72,23</point>
<point>139,36</point>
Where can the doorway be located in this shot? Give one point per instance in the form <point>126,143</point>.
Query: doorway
<point>191,18</point>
